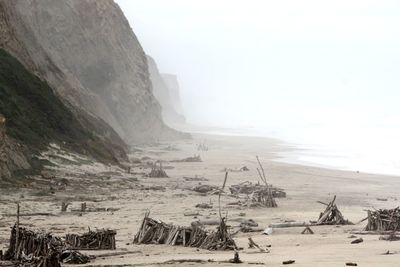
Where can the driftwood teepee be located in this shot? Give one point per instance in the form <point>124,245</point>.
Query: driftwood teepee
<point>331,215</point>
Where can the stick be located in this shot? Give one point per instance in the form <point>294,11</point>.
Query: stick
<point>219,195</point>
<point>262,169</point>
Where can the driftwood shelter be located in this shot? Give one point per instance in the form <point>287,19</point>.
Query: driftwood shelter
<point>383,220</point>
<point>156,232</point>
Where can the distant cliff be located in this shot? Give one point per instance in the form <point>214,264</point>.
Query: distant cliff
<point>87,52</point>
<point>166,91</point>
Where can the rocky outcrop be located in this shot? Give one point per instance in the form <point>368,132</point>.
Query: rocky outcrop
<point>165,94</point>
<point>87,52</point>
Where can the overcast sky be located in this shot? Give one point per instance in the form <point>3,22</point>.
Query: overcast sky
<point>276,63</point>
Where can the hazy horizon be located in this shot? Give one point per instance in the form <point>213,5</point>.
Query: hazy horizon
<point>276,64</point>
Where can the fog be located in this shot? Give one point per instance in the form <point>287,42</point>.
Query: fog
<point>328,67</point>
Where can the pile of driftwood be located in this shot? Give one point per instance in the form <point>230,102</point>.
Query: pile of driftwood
<point>155,232</point>
<point>331,215</point>
<point>157,171</point>
<point>249,188</point>
<point>93,240</point>
<point>383,220</point>
<point>33,249</point>
<point>195,158</point>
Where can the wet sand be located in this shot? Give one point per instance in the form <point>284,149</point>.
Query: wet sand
<point>111,187</point>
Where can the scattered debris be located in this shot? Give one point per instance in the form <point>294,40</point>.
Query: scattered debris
<point>357,241</point>
<point>153,188</point>
<point>195,179</point>
<point>236,258</point>
<point>64,206</point>
<point>73,257</point>
<point>390,237</point>
<point>382,199</point>
<point>331,215</point>
<point>206,189</point>
<point>94,240</point>
<point>204,206</point>
<point>253,244</point>
<point>155,232</point>
<point>191,214</point>
<point>288,262</point>
<point>244,169</point>
<point>157,171</point>
<point>383,220</point>
<point>195,158</point>
<point>307,230</point>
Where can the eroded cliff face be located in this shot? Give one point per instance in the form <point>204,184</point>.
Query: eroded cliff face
<point>12,156</point>
<point>164,95</point>
<point>86,50</point>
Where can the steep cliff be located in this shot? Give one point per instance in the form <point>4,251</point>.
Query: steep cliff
<point>33,117</point>
<point>87,52</point>
<point>174,91</point>
<point>163,93</point>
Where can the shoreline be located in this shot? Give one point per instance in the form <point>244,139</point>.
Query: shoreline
<point>309,155</point>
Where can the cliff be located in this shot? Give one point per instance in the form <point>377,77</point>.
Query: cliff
<point>166,92</point>
<point>174,91</point>
<point>87,52</point>
<point>33,117</point>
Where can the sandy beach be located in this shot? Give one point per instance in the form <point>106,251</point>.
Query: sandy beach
<point>130,195</point>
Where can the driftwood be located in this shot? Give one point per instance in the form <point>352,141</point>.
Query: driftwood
<point>195,158</point>
<point>383,220</point>
<point>332,215</point>
<point>93,240</point>
<point>157,171</point>
<point>307,230</point>
<point>391,237</point>
<point>206,189</point>
<point>155,232</point>
<point>249,188</point>
<point>33,249</point>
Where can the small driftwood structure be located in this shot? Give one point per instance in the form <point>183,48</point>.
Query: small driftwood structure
<point>37,249</point>
<point>92,240</point>
<point>248,188</point>
<point>157,171</point>
<point>383,220</point>
<point>155,232</point>
<point>331,215</point>
<point>195,158</point>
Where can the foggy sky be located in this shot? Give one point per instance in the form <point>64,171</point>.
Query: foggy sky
<point>276,63</point>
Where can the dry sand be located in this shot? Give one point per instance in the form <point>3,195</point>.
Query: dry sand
<point>110,187</point>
